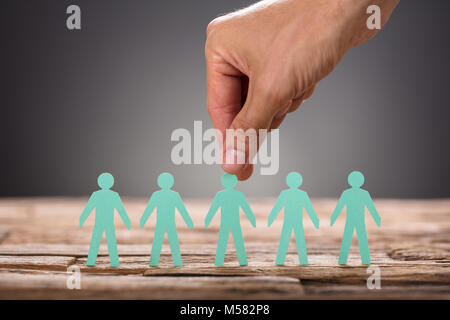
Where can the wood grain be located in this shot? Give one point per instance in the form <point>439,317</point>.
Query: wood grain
<point>40,239</point>
<point>20,285</point>
<point>36,262</point>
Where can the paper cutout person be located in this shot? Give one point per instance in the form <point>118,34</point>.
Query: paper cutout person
<point>105,201</point>
<point>230,200</point>
<point>356,199</point>
<point>293,200</point>
<point>166,201</point>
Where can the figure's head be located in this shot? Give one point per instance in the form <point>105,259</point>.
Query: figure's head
<point>356,179</point>
<point>165,180</point>
<point>105,180</point>
<point>229,181</point>
<point>294,180</point>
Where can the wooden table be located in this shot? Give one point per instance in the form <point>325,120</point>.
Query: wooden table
<point>40,239</point>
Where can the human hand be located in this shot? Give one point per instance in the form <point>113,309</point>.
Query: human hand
<point>265,60</point>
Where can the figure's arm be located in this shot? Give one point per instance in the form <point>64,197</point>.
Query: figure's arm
<point>373,211</point>
<point>276,209</point>
<point>212,211</point>
<point>337,211</point>
<point>311,212</point>
<point>184,213</point>
<point>148,211</point>
<point>87,210</point>
<point>248,211</point>
<point>122,212</point>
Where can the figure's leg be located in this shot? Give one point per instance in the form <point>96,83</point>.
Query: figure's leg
<point>174,246</point>
<point>346,243</point>
<point>301,245</point>
<point>239,245</point>
<point>158,239</point>
<point>361,233</point>
<point>284,244</point>
<point>97,234</point>
<point>221,246</point>
<point>112,247</point>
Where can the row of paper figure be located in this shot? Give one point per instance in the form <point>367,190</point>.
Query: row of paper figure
<point>293,200</point>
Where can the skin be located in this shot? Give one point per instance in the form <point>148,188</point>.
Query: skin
<point>265,60</point>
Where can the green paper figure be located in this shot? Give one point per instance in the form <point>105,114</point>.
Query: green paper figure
<point>105,201</point>
<point>356,199</point>
<point>230,200</point>
<point>293,200</point>
<point>166,201</point>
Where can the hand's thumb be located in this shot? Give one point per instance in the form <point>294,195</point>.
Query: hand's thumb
<point>242,138</point>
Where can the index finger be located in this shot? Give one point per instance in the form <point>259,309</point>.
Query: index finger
<point>224,92</point>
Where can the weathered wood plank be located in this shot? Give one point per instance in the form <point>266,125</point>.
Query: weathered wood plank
<point>36,262</point>
<point>412,250</point>
<point>56,221</point>
<point>436,253</point>
<point>28,286</point>
<point>322,267</point>
<point>4,233</point>
<point>72,250</point>
<point>199,259</point>
<point>319,290</point>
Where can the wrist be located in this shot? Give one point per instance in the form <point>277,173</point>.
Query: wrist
<point>355,12</point>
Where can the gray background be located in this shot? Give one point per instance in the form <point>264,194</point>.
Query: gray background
<point>106,98</point>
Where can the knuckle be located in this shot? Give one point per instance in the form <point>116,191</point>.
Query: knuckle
<point>244,123</point>
<point>213,26</point>
<point>272,90</point>
<point>211,36</point>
